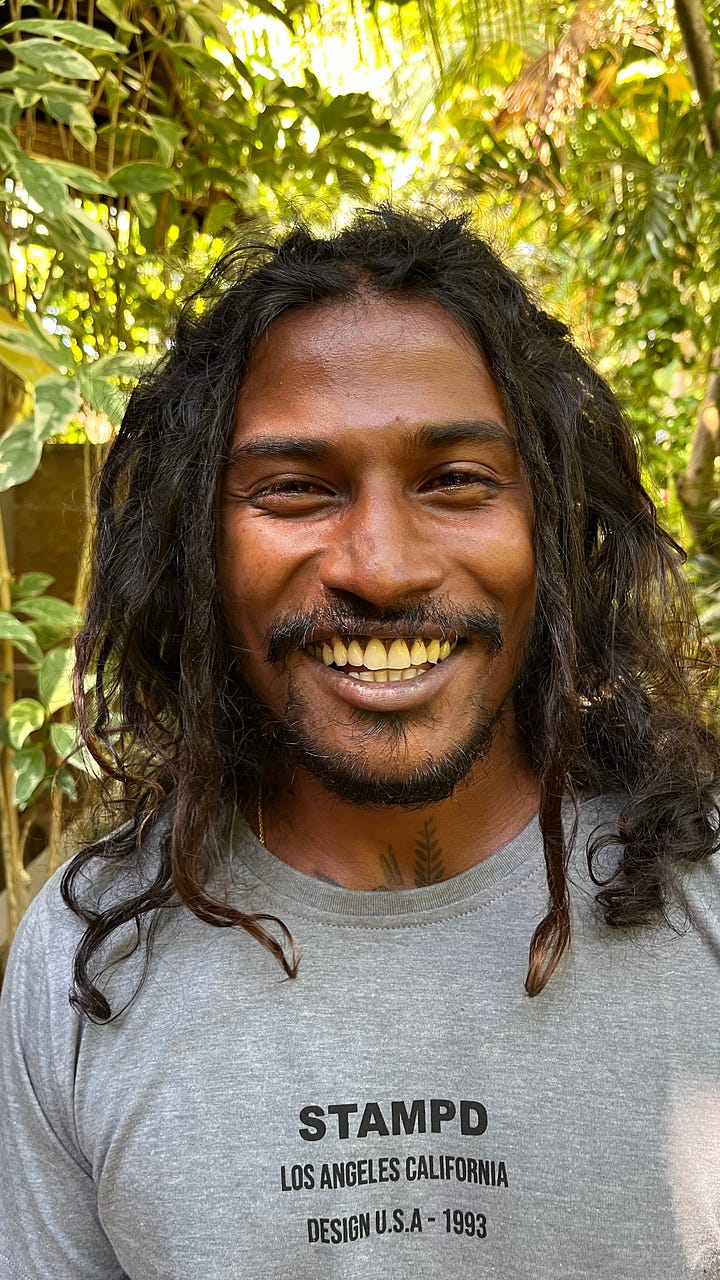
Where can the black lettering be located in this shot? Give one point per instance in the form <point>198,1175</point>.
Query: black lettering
<point>398,1220</point>
<point>372,1121</point>
<point>312,1117</point>
<point>343,1110</point>
<point>473,1118</point>
<point>313,1230</point>
<point>380,1222</point>
<point>502,1178</point>
<point>415,1221</point>
<point>416,1116</point>
<point>441,1110</point>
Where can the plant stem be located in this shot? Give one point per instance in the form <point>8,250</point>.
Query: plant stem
<point>17,880</point>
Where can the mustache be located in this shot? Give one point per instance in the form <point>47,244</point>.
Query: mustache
<point>293,631</point>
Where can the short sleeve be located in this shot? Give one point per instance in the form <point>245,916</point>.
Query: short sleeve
<point>49,1226</point>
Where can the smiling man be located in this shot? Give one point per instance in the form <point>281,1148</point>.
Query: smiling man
<point>405,961</point>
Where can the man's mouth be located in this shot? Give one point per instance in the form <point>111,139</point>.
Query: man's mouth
<point>382,661</point>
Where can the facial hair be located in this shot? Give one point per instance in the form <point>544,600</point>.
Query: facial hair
<point>348,774</point>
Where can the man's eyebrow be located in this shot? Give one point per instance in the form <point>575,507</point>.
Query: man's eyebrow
<point>294,448</point>
<point>465,431</point>
<point>417,439</point>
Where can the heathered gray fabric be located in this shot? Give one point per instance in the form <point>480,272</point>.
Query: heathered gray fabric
<point>572,1136</point>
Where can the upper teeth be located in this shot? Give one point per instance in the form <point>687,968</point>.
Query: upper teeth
<point>383,655</point>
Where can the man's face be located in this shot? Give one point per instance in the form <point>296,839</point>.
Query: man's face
<point>375,548</point>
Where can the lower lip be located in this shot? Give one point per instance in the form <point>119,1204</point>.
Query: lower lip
<point>393,696</point>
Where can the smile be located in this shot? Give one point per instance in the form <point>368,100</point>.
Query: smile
<point>377,661</point>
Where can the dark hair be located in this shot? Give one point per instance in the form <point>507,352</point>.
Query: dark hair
<point>612,698</point>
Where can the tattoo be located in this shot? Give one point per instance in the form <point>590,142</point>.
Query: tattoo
<point>428,856</point>
<point>429,866</point>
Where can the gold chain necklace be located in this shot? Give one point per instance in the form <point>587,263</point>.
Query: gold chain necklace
<point>260,819</point>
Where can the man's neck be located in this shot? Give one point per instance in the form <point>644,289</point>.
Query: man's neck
<point>394,848</point>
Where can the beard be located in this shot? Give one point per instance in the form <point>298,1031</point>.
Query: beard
<point>401,781</point>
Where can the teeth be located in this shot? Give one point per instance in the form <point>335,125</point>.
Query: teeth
<point>367,675</point>
<point>376,656</point>
<point>355,655</point>
<point>390,659</point>
<point>398,657</point>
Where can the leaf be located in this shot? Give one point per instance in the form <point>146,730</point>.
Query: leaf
<point>50,611</point>
<point>75,32</point>
<point>102,395</point>
<point>21,635</point>
<point>114,13</point>
<point>6,271</point>
<point>30,355</point>
<point>142,178</point>
<point>57,400</point>
<point>83,179</point>
<point>428,856</point>
<point>20,453</point>
<point>32,584</point>
<point>29,770</point>
<point>168,134</point>
<point>52,57</point>
<point>219,216</point>
<point>10,110</point>
<point>55,679</point>
<point>42,184</point>
<point>96,237</point>
<point>65,782</point>
<point>67,746</point>
<point>24,717</point>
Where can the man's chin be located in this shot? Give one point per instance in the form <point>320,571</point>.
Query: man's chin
<point>357,780</point>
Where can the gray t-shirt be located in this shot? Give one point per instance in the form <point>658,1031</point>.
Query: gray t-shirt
<point>400,1108</point>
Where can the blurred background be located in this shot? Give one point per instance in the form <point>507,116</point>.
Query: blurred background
<point>137,140</point>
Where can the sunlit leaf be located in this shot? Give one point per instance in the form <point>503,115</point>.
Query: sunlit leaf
<point>49,56</point>
<point>75,32</point>
<point>57,399</point>
<point>21,635</point>
<point>142,178</point>
<point>24,717</point>
<point>32,584</point>
<point>42,184</point>
<point>29,771</point>
<point>55,679</point>
<point>20,453</point>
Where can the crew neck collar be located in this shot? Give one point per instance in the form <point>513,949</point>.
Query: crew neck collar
<point>481,881</point>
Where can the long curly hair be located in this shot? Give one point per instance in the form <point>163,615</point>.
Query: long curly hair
<point>616,692</point>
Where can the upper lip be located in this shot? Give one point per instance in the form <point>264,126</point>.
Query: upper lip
<point>325,635</point>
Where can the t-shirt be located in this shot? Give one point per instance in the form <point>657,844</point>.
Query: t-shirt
<point>400,1108</point>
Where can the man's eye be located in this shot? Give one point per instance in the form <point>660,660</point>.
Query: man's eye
<point>458,479</point>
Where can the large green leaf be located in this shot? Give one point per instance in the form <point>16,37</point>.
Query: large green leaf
<point>24,717</point>
<point>21,635</point>
<point>31,584</point>
<point>142,178</point>
<point>95,237</point>
<point>29,769</point>
<point>30,353</point>
<point>49,56</point>
<point>20,453</point>
<point>55,679</point>
<point>6,272</point>
<point>51,612</point>
<point>114,13</point>
<point>57,400</point>
<point>83,179</point>
<point>75,32</point>
<point>101,394</point>
<point>67,746</point>
<point>42,184</point>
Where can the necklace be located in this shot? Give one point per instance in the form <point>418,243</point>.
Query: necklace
<point>260,819</point>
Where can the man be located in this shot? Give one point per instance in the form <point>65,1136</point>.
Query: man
<point>388,649</point>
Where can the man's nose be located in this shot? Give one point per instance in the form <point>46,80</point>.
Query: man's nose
<point>382,551</point>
